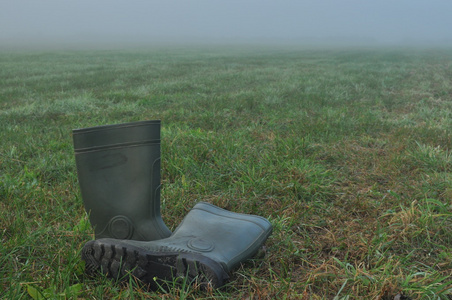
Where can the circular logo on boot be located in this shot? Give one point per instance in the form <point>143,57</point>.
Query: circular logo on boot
<point>121,228</point>
<point>199,244</point>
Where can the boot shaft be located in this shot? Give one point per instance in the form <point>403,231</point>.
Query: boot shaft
<point>118,167</point>
<point>224,236</point>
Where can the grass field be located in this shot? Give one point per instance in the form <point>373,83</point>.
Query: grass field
<point>347,152</point>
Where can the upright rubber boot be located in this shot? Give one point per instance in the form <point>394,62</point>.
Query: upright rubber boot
<point>118,168</point>
<point>205,247</point>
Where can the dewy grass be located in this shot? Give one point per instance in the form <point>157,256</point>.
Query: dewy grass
<point>346,152</point>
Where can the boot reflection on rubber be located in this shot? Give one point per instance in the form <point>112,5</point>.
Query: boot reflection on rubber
<point>205,247</point>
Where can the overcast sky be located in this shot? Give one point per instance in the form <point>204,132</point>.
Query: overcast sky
<point>149,21</point>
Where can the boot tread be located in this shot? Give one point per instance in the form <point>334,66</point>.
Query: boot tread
<point>118,261</point>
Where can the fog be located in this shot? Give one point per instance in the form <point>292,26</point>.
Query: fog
<point>75,23</point>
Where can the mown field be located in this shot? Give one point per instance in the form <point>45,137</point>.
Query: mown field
<point>348,152</point>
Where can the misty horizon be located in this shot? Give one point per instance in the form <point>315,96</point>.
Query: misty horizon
<point>119,23</point>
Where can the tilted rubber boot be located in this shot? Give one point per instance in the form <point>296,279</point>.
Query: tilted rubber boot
<point>205,247</point>
<point>118,168</point>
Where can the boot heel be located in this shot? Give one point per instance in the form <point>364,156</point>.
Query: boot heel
<point>201,269</point>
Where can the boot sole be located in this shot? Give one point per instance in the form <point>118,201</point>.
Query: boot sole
<point>119,260</point>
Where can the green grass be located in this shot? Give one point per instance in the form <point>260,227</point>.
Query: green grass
<point>346,152</point>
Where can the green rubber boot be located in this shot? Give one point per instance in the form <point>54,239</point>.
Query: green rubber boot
<point>205,247</point>
<point>118,168</point>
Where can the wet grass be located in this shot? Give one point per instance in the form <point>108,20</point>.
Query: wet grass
<point>346,152</point>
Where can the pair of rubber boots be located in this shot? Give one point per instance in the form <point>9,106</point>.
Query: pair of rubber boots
<point>118,169</point>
